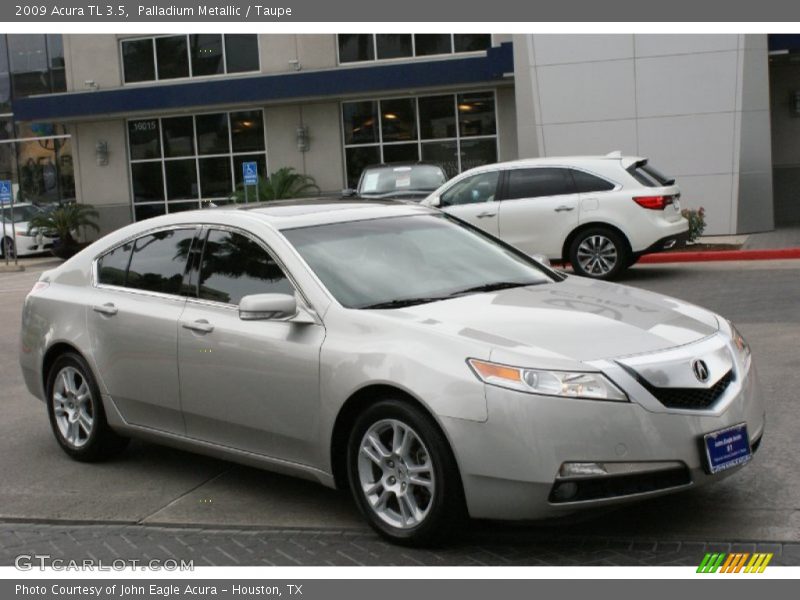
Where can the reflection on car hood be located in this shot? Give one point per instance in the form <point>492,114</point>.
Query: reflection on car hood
<point>578,319</point>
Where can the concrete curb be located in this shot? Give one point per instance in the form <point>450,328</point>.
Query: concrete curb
<point>720,255</point>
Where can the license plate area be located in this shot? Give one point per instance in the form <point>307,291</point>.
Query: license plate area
<point>727,448</point>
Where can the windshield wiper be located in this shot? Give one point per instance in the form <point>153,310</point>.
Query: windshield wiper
<point>492,287</point>
<point>401,302</point>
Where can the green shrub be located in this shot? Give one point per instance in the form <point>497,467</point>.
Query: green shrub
<point>697,222</point>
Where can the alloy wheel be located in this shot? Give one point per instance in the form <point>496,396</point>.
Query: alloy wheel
<point>597,255</point>
<point>73,407</point>
<point>395,473</point>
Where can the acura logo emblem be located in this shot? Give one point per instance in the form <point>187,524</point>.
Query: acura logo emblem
<point>700,369</point>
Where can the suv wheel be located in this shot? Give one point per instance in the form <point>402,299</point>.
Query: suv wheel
<point>402,474</point>
<point>599,253</point>
<point>76,411</point>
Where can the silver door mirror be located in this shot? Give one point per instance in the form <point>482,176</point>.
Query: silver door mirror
<point>541,258</point>
<point>435,201</point>
<point>272,307</point>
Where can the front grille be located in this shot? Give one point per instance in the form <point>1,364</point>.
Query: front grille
<point>689,398</point>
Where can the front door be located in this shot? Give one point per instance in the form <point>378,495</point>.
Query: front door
<point>249,385</point>
<point>473,200</point>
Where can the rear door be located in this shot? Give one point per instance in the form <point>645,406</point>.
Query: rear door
<point>133,321</point>
<point>473,199</point>
<point>538,209</point>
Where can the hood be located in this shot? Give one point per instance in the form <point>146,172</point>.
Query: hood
<point>575,319</point>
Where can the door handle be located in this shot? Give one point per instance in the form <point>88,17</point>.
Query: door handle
<point>107,309</point>
<point>483,215</point>
<point>563,208</point>
<point>200,326</point>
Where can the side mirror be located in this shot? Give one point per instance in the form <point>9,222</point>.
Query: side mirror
<point>541,258</point>
<point>267,307</point>
<point>434,201</point>
<point>349,193</point>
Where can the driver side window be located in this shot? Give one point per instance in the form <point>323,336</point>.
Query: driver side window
<point>472,190</point>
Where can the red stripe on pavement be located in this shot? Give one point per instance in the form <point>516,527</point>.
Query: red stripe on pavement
<point>713,255</point>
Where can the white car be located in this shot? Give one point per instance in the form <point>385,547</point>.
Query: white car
<point>599,213</point>
<point>18,239</point>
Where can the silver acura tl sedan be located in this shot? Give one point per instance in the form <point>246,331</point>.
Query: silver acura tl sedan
<point>391,349</point>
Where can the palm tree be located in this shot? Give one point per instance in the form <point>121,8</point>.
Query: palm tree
<point>64,222</point>
<point>283,183</point>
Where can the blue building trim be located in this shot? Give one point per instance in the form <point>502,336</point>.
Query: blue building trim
<point>497,62</point>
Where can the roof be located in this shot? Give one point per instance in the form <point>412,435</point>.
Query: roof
<point>289,214</point>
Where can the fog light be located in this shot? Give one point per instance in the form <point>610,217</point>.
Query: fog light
<point>563,492</point>
<point>581,469</point>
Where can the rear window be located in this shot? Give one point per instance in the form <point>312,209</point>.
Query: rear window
<point>586,183</point>
<point>648,175</point>
<point>159,260</point>
<point>388,180</point>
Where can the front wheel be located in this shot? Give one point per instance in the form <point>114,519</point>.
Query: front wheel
<point>7,249</point>
<point>599,253</point>
<point>403,475</point>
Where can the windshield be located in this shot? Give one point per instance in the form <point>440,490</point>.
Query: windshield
<point>396,261</point>
<point>21,213</point>
<point>379,181</point>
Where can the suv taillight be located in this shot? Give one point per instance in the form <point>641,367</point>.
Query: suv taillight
<point>654,202</point>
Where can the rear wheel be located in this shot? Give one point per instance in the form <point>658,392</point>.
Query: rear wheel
<point>599,253</point>
<point>76,411</point>
<point>403,475</point>
<point>7,248</point>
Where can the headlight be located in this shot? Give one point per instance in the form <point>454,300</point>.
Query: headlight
<point>568,384</point>
<point>741,346</point>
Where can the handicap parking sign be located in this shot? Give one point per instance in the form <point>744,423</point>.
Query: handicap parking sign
<point>250,173</point>
<point>5,191</point>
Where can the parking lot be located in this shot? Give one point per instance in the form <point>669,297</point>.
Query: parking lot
<point>150,490</point>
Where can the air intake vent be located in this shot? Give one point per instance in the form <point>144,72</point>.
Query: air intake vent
<point>689,398</point>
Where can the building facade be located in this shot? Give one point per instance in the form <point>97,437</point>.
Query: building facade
<point>157,124</point>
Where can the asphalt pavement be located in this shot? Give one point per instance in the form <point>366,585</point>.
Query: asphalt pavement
<point>161,495</point>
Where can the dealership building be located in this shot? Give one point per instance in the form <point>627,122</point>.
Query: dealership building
<point>145,125</point>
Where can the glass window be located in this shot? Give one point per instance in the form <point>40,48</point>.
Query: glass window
<point>355,47</point>
<point>648,175</point>
<point>475,153</point>
<point>181,179</point>
<point>241,52</point>
<point>148,211</point>
<point>28,64</point>
<point>398,120</point>
<point>212,133</point>
<point>247,131</point>
<point>234,266</point>
<point>55,56</point>
<point>5,80</point>
<point>393,45</point>
<point>444,154</point>
<point>172,57</point>
<point>393,153</point>
<point>206,52</point>
<point>535,183</point>
<point>143,139</point>
<point>471,42</point>
<point>215,177</point>
<point>148,181</point>
<point>159,260</point>
<point>178,136</point>
<point>437,117</point>
<point>138,63</point>
<point>176,207</point>
<point>112,267</point>
<point>360,121</point>
<point>472,190</point>
<point>476,114</point>
<point>586,183</point>
<point>426,44</point>
<point>357,159</point>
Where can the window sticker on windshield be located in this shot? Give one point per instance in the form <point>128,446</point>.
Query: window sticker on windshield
<point>403,181</point>
<point>401,169</point>
<point>371,182</point>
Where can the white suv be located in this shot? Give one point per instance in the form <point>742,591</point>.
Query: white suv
<point>600,213</point>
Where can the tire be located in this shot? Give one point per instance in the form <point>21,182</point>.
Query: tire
<point>599,253</point>
<point>76,411</point>
<point>633,259</point>
<point>385,487</point>
<point>7,247</point>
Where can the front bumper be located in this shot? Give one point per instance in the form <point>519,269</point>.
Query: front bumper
<point>33,244</point>
<point>510,464</point>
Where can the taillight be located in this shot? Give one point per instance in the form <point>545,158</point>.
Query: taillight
<point>654,202</point>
